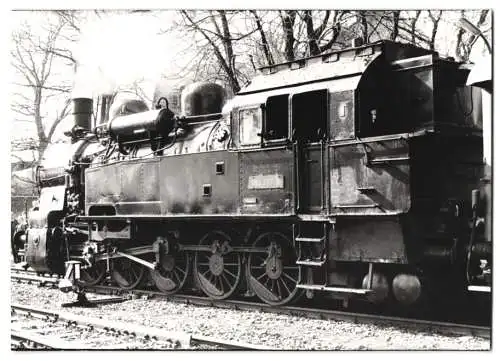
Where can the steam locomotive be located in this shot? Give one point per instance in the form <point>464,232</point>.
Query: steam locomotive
<point>352,174</point>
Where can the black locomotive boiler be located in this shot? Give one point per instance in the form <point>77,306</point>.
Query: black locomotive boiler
<point>349,174</point>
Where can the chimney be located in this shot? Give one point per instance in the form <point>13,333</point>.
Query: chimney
<point>82,112</point>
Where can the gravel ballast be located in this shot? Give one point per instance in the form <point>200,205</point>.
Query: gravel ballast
<point>277,331</point>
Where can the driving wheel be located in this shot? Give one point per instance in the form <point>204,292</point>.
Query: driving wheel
<point>274,275</point>
<point>218,271</point>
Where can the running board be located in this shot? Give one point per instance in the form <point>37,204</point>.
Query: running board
<point>474,288</point>
<point>359,291</point>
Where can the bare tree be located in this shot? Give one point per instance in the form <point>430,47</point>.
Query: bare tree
<point>322,37</point>
<point>34,56</point>
<point>214,28</point>
<point>435,23</point>
<point>362,14</point>
<point>230,45</point>
<point>395,24</point>
<point>413,25</point>
<point>263,37</point>
<point>464,46</point>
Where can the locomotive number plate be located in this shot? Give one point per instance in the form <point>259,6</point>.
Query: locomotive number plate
<point>268,181</point>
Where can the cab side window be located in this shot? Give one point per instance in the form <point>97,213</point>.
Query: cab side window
<point>276,120</point>
<point>309,115</point>
<point>250,126</point>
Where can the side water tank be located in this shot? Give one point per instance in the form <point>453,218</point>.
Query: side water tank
<point>202,98</point>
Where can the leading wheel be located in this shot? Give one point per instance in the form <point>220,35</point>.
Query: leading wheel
<point>93,275</point>
<point>218,271</point>
<point>126,273</point>
<point>172,273</point>
<point>274,275</point>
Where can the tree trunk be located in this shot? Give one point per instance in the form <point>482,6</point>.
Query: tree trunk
<point>263,39</point>
<point>364,26</point>
<point>395,27</point>
<point>413,26</point>
<point>288,21</point>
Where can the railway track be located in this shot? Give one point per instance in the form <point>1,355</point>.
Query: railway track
<point>26,340</point>
<point>33,277</point>
<point>181,339</point>
<point>446,328</point>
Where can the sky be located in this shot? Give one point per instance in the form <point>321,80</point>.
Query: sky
<point>122,48</point>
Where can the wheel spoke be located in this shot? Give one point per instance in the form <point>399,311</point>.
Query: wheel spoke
<point>126,276</point>
<point>230,273</point>
<point>289,277</point>
<point>227,281</point>
<point>262,275</point>
<point>219,278</point>
<point>176,276</point>
<point>284,284</point>
<point>180,270</point>
<point>279,288</point>
<point>133,272</point>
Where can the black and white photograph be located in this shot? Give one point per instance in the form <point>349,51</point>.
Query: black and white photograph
<point>285,179</point>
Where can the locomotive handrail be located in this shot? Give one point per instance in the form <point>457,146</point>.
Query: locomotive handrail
<point>208,217</point>
<point>249,150</point>
<point>401,136</point>
<point>342,206</point>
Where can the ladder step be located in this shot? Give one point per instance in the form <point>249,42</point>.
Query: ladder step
<point>475,288</point>
<point>359,291</point>
<point>309,239</point>
<point>310,263</point>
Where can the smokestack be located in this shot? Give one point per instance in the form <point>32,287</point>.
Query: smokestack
<point>82,112</point>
